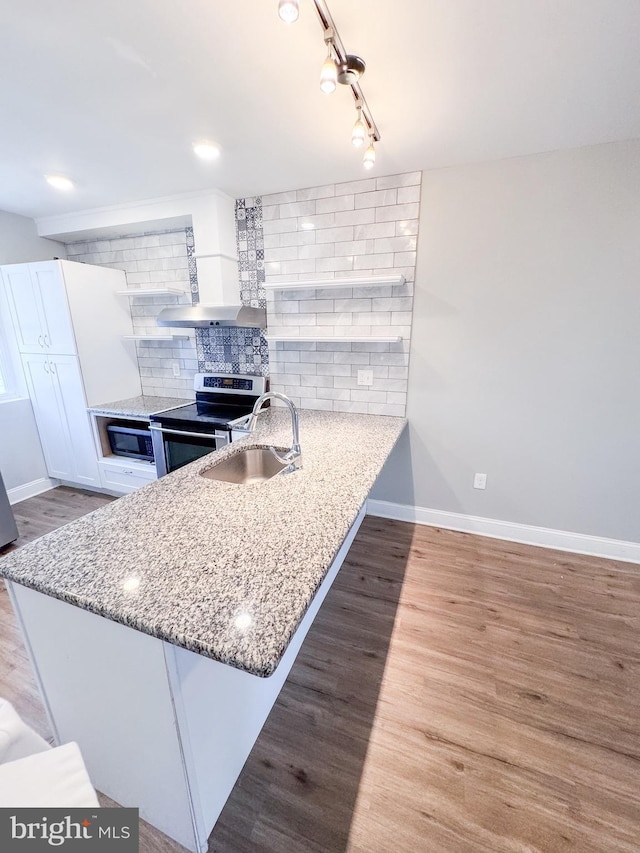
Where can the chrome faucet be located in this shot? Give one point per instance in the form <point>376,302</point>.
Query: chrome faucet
<point>293,457</point>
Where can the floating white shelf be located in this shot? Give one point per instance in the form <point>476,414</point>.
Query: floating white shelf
<point>175,337</point>
<point>151,291</point>
<point>345,339</point>
<point>356,281</point>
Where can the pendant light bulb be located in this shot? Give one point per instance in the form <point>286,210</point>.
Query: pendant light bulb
<point>359,132</point>
<point>369,156</point>
<point>329,73</point>
<point>288,10</point>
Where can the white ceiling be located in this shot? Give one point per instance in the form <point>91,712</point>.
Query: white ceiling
<point>113,92</point>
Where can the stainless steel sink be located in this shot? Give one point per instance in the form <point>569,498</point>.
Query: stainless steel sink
<point>253,465</point>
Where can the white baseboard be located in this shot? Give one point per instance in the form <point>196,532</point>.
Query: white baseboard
<point>30,490</point>
<point>545,537</point>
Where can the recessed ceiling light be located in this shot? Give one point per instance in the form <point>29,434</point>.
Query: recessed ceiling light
<point>207,150</point>
<point>307,226</point>
<point>59,182</point>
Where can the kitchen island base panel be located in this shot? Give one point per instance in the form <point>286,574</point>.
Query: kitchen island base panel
<point>160,727</point>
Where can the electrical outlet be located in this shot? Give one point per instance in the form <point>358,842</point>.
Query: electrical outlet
<point>365,377</point>
<point>176,368</point>
<point>480,481</point>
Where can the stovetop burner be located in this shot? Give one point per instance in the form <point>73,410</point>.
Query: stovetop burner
<point>220,399</point>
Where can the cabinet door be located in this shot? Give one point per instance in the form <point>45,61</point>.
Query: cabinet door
<point>68,380</point>
<point>26,307</point>
<point>50,416</point>
<point>56,317</point>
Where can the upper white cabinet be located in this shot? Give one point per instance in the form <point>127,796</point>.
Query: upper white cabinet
<point>38,304</point>
<point>69,325</point>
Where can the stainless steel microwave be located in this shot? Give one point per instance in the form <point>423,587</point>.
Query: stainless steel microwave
<point>131,441</point>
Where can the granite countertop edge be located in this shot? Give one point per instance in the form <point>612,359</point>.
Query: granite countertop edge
<point>277,574</point>
<point>137,407</point>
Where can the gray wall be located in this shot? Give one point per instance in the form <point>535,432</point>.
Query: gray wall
<point>525,357</point>
<point>21,459</point>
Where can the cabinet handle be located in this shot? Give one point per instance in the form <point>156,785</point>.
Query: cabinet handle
<point>41,341</point>
<point>46,341</point>
<point>46,369</point>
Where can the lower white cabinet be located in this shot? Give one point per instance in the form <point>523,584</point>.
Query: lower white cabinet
<point>57,394</point>
<point>123,477</point>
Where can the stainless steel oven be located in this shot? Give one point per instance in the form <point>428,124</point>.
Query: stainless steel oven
<point>186,433</point>
<point>173,448</point>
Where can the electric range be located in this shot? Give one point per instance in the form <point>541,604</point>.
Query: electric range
<point>188,432</point>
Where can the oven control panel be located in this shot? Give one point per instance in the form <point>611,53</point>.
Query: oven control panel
<point>230,382</point>
<point>233,382</point>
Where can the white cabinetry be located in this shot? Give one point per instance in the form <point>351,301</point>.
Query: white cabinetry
<point>69,325</point>
<point>38,303</point>
<point>57,395</point>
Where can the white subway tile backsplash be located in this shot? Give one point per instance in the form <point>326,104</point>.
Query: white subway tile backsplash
<point>404,259</point>
<point>374,231</point>
<point>333,393</point>
<point>299,208</point>
<point>359,396</point>
<point>336,263</point>
<point>332,205</point>
<point>358,358</point>
<point>393,303</point>
<point>365,227</point>
<point>356,408</point>
<point>278,198</point>
<point>406,227</point>
<point>362,186</point>
<point>395,244</point>
<point>352,305</point>
<point>377,198</point>
<point>355,217</point>
<point>317,306</point>
<point>408,194</point>
<point>334,369</point>
<point>333,235</point>
<point>318,357</point>
<point>394,212</point>
<point>398,372</point>
<point>381,261</point>
<point>324,250</point>
<point>353,247</point>
<point>316,381</point>
<point>316,192</point>
<point>278,226</point>
<point>296,238</point>
<point>405,180</point>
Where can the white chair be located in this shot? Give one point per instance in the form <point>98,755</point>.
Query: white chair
<point>36,775</point>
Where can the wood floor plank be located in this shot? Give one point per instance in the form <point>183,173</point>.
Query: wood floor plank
<point>454,694</point>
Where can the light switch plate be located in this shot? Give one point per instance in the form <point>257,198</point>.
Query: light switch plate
<point>480,481</point>
<point>365,377</point>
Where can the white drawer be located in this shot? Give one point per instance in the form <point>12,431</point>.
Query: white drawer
<point>124,478</point>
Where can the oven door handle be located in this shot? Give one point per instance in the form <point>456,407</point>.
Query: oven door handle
<point>187,434</point>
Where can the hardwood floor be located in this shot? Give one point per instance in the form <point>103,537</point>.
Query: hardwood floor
<point>455,693</point>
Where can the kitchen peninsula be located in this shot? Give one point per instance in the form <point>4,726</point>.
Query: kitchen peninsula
<point>208,590</point>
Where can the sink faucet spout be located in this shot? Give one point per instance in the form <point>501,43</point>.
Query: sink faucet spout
<point>293,456</point>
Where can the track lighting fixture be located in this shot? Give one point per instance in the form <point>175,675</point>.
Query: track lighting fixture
<point>289,10</point>
<point>359,132</point>
<point>328,72</point>
<point>340,67</point>
<point>369,156</point>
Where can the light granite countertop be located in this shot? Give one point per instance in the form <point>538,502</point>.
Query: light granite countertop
<point>138,407</point>
<point>184,557</point>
